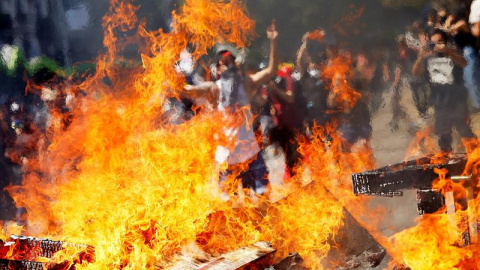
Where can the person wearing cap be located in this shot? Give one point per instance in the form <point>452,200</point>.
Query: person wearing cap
<point>234,89</point>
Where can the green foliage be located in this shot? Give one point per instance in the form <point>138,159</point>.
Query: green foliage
<point>11,59</point>
<point>41,63</point>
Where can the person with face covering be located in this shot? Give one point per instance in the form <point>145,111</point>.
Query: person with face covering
<point>443,65</point>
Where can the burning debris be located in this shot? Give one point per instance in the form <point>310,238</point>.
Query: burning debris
<point>415,174</point>
<point>257,256</point>
<point>21,252</point>
<point>126,168</point>
<point>445,195</point>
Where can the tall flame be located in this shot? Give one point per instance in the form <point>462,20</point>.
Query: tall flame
<point>117,177</point>
<point>120,178</point>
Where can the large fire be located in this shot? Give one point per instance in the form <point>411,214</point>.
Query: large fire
<point>120,178</point>
<point>115,175</point>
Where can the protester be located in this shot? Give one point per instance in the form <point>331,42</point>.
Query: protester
<point>403,61</point>
<point>235,89</point>
<point>443,64</point>
<point>380,58</point>
<point>457,27</point>
<point>350,112</point>
<point>355,125</point>
<point>289,107</point>
<point>262,107</point>
<point>310,66</point>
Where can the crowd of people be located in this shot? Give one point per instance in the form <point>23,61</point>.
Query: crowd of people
<point>287,100</point>
<point>437,58</point>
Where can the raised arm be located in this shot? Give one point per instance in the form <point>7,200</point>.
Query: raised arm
<point>302,55</point>
<point>200,88</point>
<point>476,29</point>
<point>419,68</point>
<point>206,89</point>
<point>263,76</point>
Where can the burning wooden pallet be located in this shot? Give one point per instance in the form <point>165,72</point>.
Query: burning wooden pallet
<point>257,256</point>
<point>420,175</point>
<point>356,240</point>
<point>30,253</point>
<point>415,174</point>
<point>28,265</point>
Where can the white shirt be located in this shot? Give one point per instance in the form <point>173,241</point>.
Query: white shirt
<point>246,146</point>
<point>475,12</point>
<point>440,70</point>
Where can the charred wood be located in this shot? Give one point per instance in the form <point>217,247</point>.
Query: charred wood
<point>354,247</point>
<point>414,174</point>
<point>257,256</point>
<point>21,252</point>
<point>28,265</point>
<point>429,201</point>
<point>292,262</point>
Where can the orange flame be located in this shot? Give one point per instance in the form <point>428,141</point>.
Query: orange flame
<point>337,74</point>
<point>441,239</point>
<point>120,178</point>
<point>422,144</point>
<point>422,247</point>
<point>317,35</point>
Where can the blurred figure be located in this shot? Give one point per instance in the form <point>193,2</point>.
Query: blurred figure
<point>311,83</point>
<point>457,26</point>
<point>357,121</point>
<point>262,107</point>
<point>381,77</point>
<point>289,107</point>
<point>404,60</point>
<point>235,89</point>
<point>443,65</point>
<point>37,27</point>
<point>474,18</point>
<point>354,126</point>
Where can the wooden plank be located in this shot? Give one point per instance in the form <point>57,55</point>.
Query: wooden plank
<point>472,216</point>
<point>258,255</point>
<point>30,253</point>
